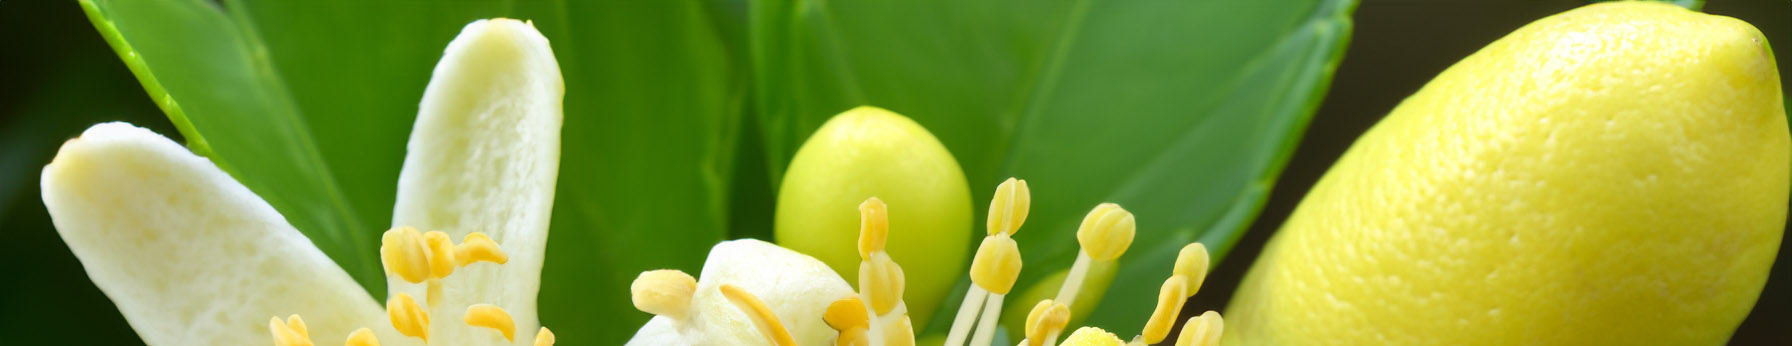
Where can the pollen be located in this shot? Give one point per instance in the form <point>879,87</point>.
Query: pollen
<point>881,281</point>
<point>997,264</point>
<point>1191,264</point>
<point>664,292</point>
<point>418,257</point>
<point>477,247</point>
<point>440,255</point>
<point>1186,279</point>
<point>544,337</point>
<point>761,315</point>
<point>846,314</point>
<point>874,227</point>
<point>404,254</point>
<point>1008,208</point>
<point>491,316</point>
<point>362,337</point>
<point>410,319</point>
<point>290,332</point>
<point>1047,319</point>
<point>1092,336</point>
<point>1106,232</point>
<point>1169,305</point>
<point>1203,330</point>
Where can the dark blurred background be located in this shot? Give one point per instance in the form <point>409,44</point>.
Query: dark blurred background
<point>57,76</point>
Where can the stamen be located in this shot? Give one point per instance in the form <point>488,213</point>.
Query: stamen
<point>1191,263</point>
<point>899,332</point>
<point>997,264</point>
<point>986,327</point>
<point>291,332</point>
<point>882,282</point>
<point>362,337</point>
<point>760,314</point>
<point>846,314</point>
<point>857,336</point>
<point>544,337</point>
<point>995,267</point>
<point>407,317</point>
<point>491,316</point>
<point>1092,336</point>
<point>434,294</point>
<point>1008,207</point>
<point>664,292</point>
<point>1202,330</point>
<point>874,227</point>
<point>403,252</point>
<point>1047,319</point>
<point>476,247</point>
<point>1169,305</point>
<point>1106,232</point>
<point>441,254</point>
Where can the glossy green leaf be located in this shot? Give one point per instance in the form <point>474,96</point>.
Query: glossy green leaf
<point>1182,111</point>
<point>651,119</point>
<point>215,82</point>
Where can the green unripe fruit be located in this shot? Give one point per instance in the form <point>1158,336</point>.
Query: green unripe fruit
<point>871,152</point>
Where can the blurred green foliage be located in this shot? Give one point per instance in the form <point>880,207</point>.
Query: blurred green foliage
<point>680,115</point>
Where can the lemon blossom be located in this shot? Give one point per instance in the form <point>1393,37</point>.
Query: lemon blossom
<point>757,293</point>
<point>192,257</point>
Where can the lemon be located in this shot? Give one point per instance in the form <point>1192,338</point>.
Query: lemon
<point>871,152</point>
<point>1612,175</point>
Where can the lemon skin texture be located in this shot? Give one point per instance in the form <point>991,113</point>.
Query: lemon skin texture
<point>1612,175</point>
<point>871,152</point>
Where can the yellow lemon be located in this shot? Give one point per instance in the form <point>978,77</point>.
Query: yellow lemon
<point>871,152</point>
<point>1612,175</point>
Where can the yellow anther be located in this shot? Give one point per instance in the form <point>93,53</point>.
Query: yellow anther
<point>1203,330</point>
<point>1008,208</point>
<point>476,247</point>
<point>874,227</point>
<point>1106,232</point>
<point>491,316</point>
<point>1091,336</point>
<point>291,332</point>
<point>405,255</point>
<point>846,314</point>
<point>1047,319</point>
<point>441,254</point>
<point>857,336</point>
<point>1191,263</point>
<point>664,292</point>
<point>881,282</point>
<point>362,337</point>
<point>760,314</point>
<point>544,337</point>
<point>899,332</point>
<point>1169,307</point>
<point>408,318</point>
<point>997,264</point>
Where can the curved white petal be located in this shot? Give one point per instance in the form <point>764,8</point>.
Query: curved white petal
<point>190,256</point>
<point>483,156</point>
<point>798,288</point>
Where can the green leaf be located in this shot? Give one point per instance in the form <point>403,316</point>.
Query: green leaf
<point>1182,111</point>
<point>216,84</point>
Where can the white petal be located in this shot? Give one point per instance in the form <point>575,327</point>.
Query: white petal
<point>798,288</point>
<point>190,256</point>
<point>483,156</point>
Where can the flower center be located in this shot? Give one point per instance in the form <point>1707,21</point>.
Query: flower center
<point>421,258</point>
